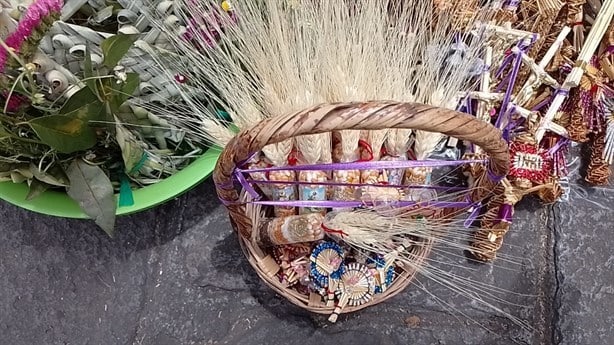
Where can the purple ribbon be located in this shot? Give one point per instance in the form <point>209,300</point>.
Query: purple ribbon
<point>565,68</point>
<point>559,145</point>
<point>542,104</point>
<point>475,211</point>
<point>556,152</point>
<point>508,59</point>
<point>365,165</point>
<point>494,177</point>
<point>300,183</point>
<point>241,179</point>
<point>561,91</point>
<point>512,5</point>
<point>359,203</point>
<point>513,108</point>
<point>247,184</point>
<point>469,105</point>
<point>230,183</point>
<point>523,47</point>
<point>505,213</point>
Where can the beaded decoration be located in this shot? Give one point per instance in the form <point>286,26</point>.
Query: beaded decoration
<point>387,273</point>
<point>326,262</point>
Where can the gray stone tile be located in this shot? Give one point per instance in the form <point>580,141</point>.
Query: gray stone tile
<point>205,292</point>
<point>66,282</point>
<point>585,266</point>
<point>176,275</point>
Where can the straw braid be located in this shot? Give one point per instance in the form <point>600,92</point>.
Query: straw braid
<point>577,128</point>
<point>489,238</point>
<point>598,172</point>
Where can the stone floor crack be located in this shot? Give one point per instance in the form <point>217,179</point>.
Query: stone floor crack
<point>556,295</point>
<point>546,273</point>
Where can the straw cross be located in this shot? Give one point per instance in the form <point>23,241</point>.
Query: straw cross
<point>573,79</point>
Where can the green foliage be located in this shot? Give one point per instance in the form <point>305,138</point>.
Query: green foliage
<point>49,140</point>
<point>92,189</point>
<point>84,138</point>
<point>36,189</point>
<point>64,133</point>
<point>132,152</point>
<point>115,47</point>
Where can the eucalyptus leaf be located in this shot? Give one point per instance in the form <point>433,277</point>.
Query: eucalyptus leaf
<point>25,171</point>
<point>4,134</point>
<point>115,47</point>
<point>54,176</point>
<point>123,91</point>
<point>16,177</point>
<point>84,105</point>
<point>126,89</point>
<point>5,176</point>
<point>129,86</point>
<point>88,71</point>
<point>36,189</point>
<point>92,189</point>
<point>94,112</point>
<point>64,133</point>
<point>132,151</point>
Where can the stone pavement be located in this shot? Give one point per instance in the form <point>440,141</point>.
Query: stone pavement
<point>176,275</point>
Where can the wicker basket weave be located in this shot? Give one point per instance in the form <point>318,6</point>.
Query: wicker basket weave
<point>342,116</point>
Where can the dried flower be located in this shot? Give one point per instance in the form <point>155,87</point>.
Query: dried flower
<point>226,6</point>
<point>38,98</point>
<point>180,78</point>
<point>13,103</point>
<point>32,20</point>
<point>120,74</point>
<point>205,30</point>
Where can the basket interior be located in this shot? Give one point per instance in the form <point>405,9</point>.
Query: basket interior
<point>314,268</point>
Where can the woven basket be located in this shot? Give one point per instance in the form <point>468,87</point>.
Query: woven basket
<point>342,116</point>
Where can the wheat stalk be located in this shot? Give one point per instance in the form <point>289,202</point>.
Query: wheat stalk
<point>282,57</point>
<point>394,236</point>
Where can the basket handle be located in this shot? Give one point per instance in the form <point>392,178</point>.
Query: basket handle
<point>358,116</point>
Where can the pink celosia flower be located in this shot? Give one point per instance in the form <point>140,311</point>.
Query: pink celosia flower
<point>14,103</point>
<point>32,19</point>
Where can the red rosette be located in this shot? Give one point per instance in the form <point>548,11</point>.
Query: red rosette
<point>529,162</point>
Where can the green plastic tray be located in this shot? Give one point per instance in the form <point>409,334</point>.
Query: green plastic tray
<point>58,204</point>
